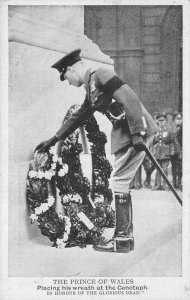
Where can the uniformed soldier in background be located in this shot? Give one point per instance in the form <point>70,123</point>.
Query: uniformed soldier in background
<point>169,118</point>
<point>147,164</point>
<point>177,157</point>
<point>132,125</point>
<point>161,150</point>
<point>149,168</point>
<point>155,117</point>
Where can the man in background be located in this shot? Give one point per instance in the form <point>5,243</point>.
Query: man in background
<point>177,157</point>
<point>161,150</point>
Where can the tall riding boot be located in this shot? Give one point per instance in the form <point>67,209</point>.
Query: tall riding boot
<point>158,182</point>
<point>147,182</point>
<point>123,240</point>
<point>124,215</point>
<point>164,185</point>
<point>179,182</point>
<point>174,180</point>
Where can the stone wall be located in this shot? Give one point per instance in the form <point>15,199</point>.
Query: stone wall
<point>38,100</point>
<point>133,36</point>
<point>117,30</point>
<point>171,50</point>
<point>151,19</point>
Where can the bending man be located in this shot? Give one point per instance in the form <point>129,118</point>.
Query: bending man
<point>132,125</point>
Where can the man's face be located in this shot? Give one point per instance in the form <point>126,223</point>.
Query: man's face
<point>169,118</point>
<point>73,77</point>
<point>162,121</point>
<point>178,120</point>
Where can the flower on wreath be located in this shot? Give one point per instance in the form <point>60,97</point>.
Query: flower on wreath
<point>55,158</point>
<point>48,175</point>
<point>60,160</point>
<point>40,174</point>
<point>33,217</point>
<point>68,227</point>
<point>51,200</point>
<point>76,198</point>
<point>32,174</point>
<point>52,150</point>
<point>99,198</point>
<point>65,237</point>
<point>63,170</point>
<point>71,198</point>
<point>61,243</point>
<point>67,224</point>
<point>53,166</point>
<point>42,208</point>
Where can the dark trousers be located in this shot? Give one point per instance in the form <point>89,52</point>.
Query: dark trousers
<point>176,163</point>
<point>149,168</point>
<point>164,165</point>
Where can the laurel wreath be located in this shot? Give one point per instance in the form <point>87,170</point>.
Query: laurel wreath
<point>51,176</point>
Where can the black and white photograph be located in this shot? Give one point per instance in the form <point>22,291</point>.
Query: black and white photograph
<point>94,150</point>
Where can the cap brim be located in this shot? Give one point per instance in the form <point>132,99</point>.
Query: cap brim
<point>67,60</point>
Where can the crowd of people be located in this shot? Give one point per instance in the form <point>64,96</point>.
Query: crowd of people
<point>167,149</point>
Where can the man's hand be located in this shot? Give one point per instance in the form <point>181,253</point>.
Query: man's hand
<point>138,142</point>
<point>44,146</point>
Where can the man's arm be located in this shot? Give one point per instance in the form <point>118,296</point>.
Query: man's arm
<point>76,120</point>
<point>110,83</point>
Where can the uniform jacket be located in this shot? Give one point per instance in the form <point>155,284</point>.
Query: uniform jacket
<point>138,119</point>
<point>178,141</point>
<point>173,142</point>
<point>162,143</point>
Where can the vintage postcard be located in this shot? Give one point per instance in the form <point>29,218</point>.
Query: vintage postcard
<point>94,150</point>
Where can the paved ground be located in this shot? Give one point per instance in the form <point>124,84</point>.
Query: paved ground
<point>157,231</point>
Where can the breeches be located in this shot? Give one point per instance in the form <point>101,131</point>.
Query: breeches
<point>164,163</point>
<point>126,164</point>
<point>148,166</point>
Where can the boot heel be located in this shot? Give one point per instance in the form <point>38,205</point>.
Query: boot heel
<point>123,244</point>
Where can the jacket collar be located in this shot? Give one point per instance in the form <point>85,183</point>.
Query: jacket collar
<point>87,77</point>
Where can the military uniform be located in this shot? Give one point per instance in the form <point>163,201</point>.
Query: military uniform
<point>161,151</point>
<point>100,87</point>
<point>103,90</point>
<point>179,140</point>
<point>147,164</point>
<point>176,158</point>
<point>149,168</point>
<point>176,151</point>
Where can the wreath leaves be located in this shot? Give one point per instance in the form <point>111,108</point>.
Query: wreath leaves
<point>56,227</point>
